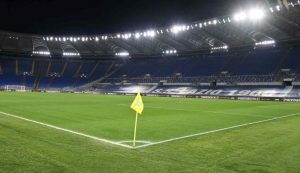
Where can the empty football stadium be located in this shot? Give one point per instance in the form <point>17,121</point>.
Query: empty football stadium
<point>220,94</point>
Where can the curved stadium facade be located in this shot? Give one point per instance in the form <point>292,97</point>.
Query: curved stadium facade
<point>235,57</point>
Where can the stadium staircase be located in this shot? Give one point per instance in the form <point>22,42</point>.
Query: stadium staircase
<point>17,67</point>
<point>64,69</point>
<point>94,69</point>
<point>282,61</point>
<point>78,70</point>
<point>48,68</point>
<point>39,75</point>
<point>33,67</point>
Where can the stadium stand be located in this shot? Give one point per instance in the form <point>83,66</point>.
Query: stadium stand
<point>220,52</point>
<point>253,67</point>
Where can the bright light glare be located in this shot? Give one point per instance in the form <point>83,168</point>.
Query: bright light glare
<point>256,14</point>
<point>241,16</point>
<point>178,28</point>
<point>137,35</point>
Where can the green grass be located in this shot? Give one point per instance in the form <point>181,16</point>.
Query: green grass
<point>27,147</point>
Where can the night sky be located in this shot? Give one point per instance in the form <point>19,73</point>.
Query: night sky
<point>109,16</point>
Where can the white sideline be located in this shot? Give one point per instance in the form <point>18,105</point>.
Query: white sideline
<point>149,143</point>
<point>214,131</point>
<point>69,131</point>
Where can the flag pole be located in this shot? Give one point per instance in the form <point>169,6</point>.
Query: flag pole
<point>135,127</point>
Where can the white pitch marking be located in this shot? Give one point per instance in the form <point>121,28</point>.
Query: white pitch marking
<point>69,131</point>
<point>130,141</point>
<point>219,130</point>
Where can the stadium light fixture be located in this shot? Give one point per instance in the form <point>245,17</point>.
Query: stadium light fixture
<point>241,16</point>
<point>70,54</point>
<point>151,33</point>
<point>170,52</point>
<point>122,54</point>
<point>137,35</point>
<point>43,53</point>
<point>256,14</point>
<point>253,14</point>
<point>178,28</point>
<point>220,48</point>
<point>215,22</point>
<point>266,43</point>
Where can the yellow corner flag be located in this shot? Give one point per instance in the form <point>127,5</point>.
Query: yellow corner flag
<point>138,106</point>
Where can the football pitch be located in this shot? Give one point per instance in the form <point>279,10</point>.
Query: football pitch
<point>93,133</point>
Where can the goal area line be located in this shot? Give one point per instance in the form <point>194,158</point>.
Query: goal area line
<point>146,143</point>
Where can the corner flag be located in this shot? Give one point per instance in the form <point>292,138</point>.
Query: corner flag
<point>138,106</point>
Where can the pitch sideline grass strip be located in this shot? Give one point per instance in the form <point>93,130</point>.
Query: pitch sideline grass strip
<point>69,131</point>
<point>219,130</point>
<point>148,142</point>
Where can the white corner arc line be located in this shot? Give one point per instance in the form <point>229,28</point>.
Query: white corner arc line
<point>69,131</point>
<point>219,130</point>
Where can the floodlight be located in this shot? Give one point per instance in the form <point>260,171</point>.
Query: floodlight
<point>256,14</point>
<point>137,35</point>
<point>151,33</point>
<point>71,54</point>
<point>278,8</point>
<point>123,54</point>
<point>44,53</point>
<point>241,16</point>
<point>178,28</point>
<point>265,43</point>
<point>170,52</point>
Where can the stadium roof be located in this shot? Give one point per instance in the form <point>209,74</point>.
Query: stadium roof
<point>253,27</point>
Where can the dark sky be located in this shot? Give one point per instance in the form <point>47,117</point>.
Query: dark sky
<point>108,16</point>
